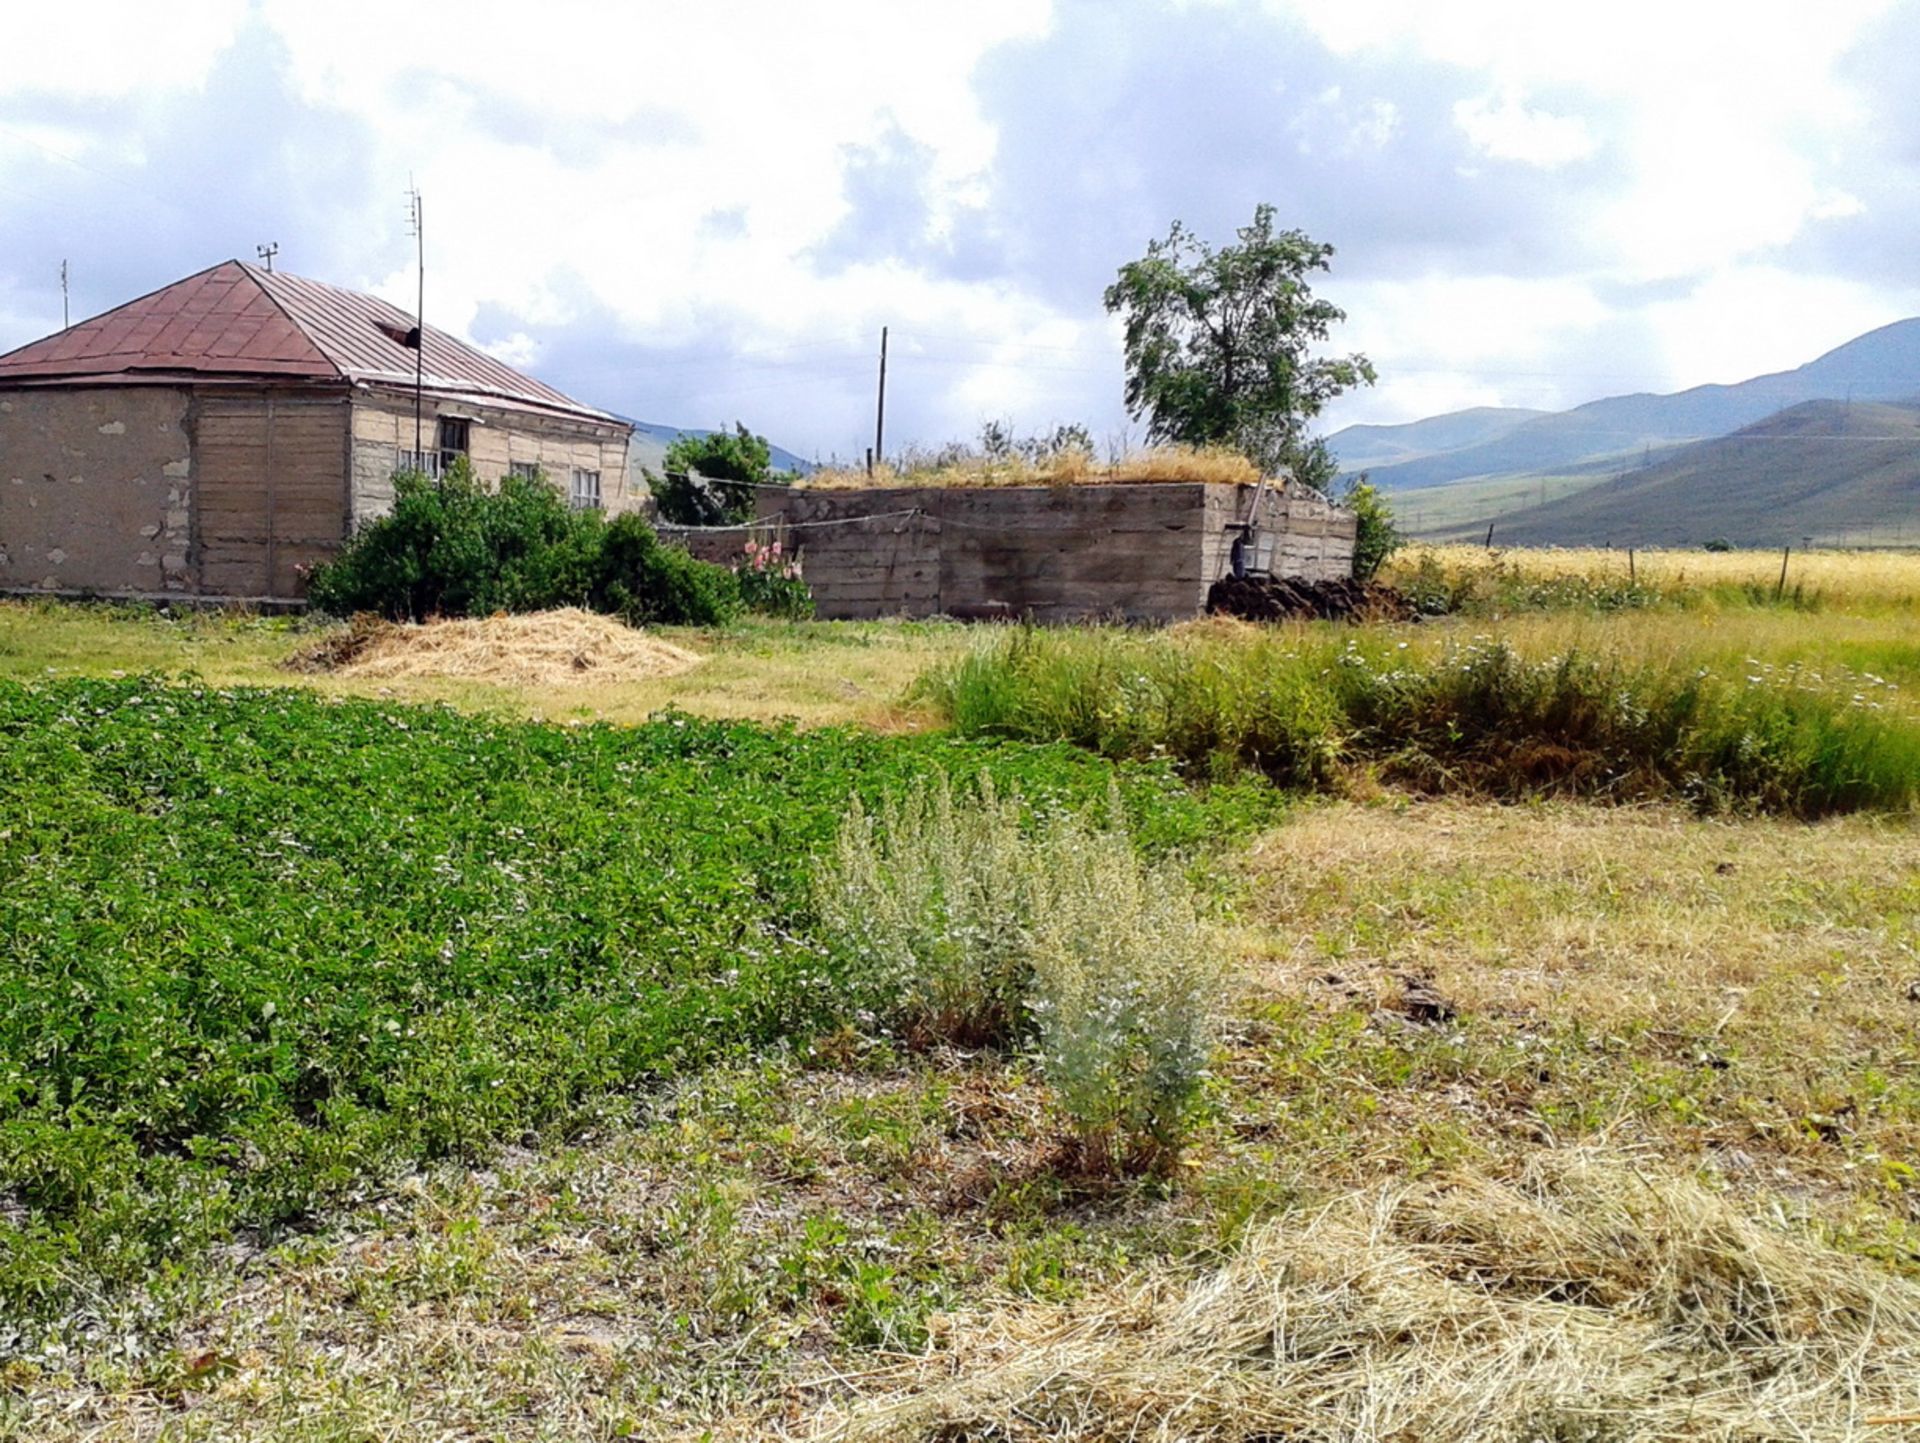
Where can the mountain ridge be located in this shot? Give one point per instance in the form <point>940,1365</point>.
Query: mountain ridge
<point>1835,471</point>
<point>1879,365</point>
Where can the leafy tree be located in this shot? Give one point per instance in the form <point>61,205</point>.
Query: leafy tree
<point>1218,344</point>
<point>710,479</point>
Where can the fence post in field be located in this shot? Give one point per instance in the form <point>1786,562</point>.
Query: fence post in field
<point>1780,586</point>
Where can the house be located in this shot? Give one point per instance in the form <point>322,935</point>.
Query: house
<point>223,434</point>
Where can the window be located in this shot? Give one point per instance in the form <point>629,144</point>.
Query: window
<point>426,462</point>
<point>586,490</point>
<point>525,470</point>
<point>454,433</point>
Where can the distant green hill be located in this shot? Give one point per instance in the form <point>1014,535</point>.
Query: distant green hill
<point>1882,365</point>
<point>1361,448</point>
<point>1839,473</point>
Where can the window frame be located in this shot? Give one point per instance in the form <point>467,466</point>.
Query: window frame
<point>582,496</point>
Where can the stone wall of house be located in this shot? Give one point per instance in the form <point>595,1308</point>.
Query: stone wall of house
<point>96,489</point>
<point>498,437</point>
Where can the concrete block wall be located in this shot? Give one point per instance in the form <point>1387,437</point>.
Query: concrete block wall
<point>1136,551</point>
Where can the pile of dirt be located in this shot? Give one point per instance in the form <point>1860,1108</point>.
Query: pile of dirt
<point>1279,598</point>
<point>544,648</point>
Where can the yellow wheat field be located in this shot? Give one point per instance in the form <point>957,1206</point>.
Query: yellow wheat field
<point>1839,577</point>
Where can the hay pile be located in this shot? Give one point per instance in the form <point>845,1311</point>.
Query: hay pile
<point>544,648</point>
<point>1581,1301</point>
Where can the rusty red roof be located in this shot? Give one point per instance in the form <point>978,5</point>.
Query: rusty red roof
<point>236,322</point>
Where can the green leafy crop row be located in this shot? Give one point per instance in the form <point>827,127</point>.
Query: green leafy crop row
<point>259,950</point>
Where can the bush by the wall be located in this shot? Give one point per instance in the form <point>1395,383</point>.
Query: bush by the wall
<point>1376,537</point>
<point>453,547</point>
<point>643,581</point>
<point>771,582</point>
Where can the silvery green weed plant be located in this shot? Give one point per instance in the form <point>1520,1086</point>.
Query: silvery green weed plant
<point>932,903</point>
<point>1125,976</point>
<point>972,921</point>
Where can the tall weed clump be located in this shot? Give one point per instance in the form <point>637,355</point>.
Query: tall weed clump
<point>931,904</point>
<point>1125,977</point>
<point>964,919</point>
<point>1307,710</point>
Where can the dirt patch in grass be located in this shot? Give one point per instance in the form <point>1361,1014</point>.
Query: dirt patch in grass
<point>1736,991</point>
<point>568,647</point>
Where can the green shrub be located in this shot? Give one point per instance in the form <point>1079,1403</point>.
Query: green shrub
<point>970,923</point>
<point>1376,537</point>
<point>452,547</point>
<point>643,581</point>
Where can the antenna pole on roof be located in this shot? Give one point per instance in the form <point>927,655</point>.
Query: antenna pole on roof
<point>267,252</point>
<point>417,226</point>
<point>880,412</point>
<point>66,318</point>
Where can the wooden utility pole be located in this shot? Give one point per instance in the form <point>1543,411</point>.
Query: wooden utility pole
<point>416,222</point>
<point>880,412</point>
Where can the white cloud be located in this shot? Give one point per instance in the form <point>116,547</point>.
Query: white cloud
<point>574,157</point>
<point>126,47</point>
<point>1508,129</point>
<point>1753,319</point>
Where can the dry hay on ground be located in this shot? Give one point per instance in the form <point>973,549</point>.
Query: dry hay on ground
<point>544,648</point>
<point>1583,1300</point>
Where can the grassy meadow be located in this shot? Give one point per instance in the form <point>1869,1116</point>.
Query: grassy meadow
<point>429,1058</point>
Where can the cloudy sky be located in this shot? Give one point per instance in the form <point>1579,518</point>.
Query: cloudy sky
<point>696,210</point>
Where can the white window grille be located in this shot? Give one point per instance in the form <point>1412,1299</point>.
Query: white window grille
<point>426,462</point>
<point>586,490</point>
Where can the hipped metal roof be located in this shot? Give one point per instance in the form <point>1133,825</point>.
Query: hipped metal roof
<point>237,323</point>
